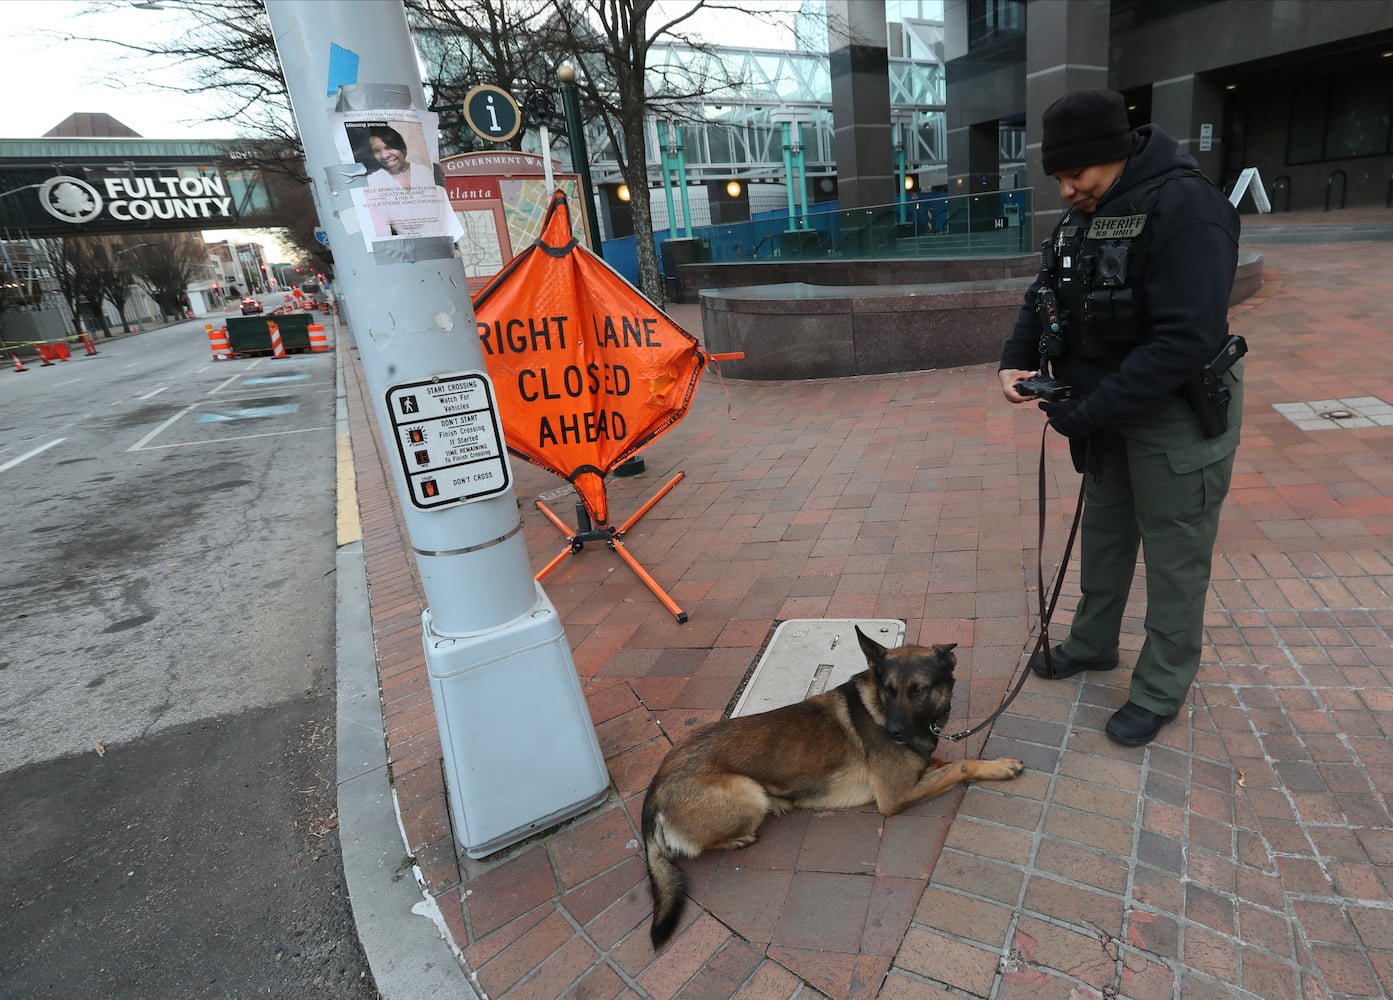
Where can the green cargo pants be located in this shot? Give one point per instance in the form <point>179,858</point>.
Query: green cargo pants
<point>1161,485</point>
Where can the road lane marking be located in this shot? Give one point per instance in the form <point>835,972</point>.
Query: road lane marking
<point>30,454</point>
<point>276,378</point>
<point>141,443</point>
<point>232,437</point>
<point>154,393</point>
<point>250,413</point>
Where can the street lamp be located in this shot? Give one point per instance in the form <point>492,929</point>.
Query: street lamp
<point>580,157</point>
<point>26,187</point>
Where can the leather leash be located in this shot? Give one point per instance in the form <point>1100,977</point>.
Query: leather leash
<point>1046,609</point>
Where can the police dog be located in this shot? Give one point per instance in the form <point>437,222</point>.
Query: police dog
<point>869,740</point>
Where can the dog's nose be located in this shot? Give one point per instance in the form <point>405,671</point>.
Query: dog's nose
<point>896,732</point>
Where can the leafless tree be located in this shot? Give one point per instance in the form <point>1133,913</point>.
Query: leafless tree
<point>515,45</point>
<point>63,263</point>
<point>220,49</point>
<point>118,288</point>
<point>165,266</point>
<point>227,51</point>
<point>93,259</point>
<point>611,41</point>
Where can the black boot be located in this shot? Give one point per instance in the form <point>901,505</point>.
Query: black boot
<point>1067,666</point>
<point>1134,726</point>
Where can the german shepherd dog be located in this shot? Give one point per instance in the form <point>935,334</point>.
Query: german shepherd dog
<point>869,740</point>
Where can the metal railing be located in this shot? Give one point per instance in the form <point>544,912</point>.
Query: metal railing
<point>987,224</point>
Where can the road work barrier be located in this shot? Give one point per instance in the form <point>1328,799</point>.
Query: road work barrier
<point>277,348</point>
<point>251,335</point>
<point>217,340</point>
<point>319,340</point>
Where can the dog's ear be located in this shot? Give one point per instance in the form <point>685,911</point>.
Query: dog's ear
<point>944,651</point>
<point>875,652</point>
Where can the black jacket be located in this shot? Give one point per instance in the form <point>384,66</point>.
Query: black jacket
<point>1188,278</point>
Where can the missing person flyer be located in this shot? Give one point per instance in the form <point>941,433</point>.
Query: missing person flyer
<point>404,197</point>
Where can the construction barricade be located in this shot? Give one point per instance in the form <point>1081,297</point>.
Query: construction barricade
<point>319,340</point>
<point>277,347</point>
<point>250,335</point>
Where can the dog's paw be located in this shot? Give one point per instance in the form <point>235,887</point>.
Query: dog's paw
<point>1004,769</point>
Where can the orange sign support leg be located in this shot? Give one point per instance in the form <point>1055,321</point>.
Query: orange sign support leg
<point>611,537</point>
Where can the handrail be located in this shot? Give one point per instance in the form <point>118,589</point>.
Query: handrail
<point>1329,187</point>
<point>1283,184</point>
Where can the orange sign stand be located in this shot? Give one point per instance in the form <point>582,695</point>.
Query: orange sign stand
<point>587,371</point>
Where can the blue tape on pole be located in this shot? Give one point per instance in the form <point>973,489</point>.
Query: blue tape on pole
<point>343,68</point>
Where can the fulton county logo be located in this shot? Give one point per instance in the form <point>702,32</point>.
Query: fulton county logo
<point>69,199</point>
<point>166,196</point>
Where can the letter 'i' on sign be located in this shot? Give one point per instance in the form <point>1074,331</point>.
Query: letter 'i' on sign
<point>491,113</point>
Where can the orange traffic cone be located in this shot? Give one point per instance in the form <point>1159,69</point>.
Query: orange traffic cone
<point>45,358</point>
<point>277,347</point>
<point>87,344</point>
<point>319,340</point>
<point>19,365</point>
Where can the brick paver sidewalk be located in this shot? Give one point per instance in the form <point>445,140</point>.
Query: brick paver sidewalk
<point>1248,852</point>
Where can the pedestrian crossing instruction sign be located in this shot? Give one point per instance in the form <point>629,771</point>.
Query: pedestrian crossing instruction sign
<point>449,439</point>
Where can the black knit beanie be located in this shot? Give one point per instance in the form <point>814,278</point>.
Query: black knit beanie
<point>1083,129</point>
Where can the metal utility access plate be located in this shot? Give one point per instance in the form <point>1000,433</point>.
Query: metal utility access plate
<point>810,655</point>
<point>1328,414</point>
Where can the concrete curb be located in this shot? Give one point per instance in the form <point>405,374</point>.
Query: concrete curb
<point>399,925</point>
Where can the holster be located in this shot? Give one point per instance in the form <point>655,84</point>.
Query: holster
<point>1209,397</point>
<point>1208,394</point>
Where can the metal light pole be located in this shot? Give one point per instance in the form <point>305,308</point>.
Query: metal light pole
<point>580,156</point>
<point>520,751</point>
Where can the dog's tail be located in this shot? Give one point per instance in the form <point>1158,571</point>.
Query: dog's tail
<point>665,879</point>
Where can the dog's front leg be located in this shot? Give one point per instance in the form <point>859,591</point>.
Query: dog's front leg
<point>937,780</point>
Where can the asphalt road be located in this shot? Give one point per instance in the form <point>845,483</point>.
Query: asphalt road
<point>167,690</point>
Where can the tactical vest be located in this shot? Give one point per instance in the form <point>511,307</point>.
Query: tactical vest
<point>1096,269</point>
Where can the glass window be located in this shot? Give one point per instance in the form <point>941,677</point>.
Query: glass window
<point>1359,120</point>
<point>1306,138</point>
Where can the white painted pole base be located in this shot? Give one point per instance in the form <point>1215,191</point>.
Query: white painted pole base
<point>520,751</point>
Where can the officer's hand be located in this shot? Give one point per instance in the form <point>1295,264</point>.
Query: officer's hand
<point>1070,418</point>
<point>1009,379</point>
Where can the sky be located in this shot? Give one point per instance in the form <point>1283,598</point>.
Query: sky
<point>52,77</point>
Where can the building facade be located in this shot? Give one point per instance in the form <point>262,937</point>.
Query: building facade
<point>1301,90</point>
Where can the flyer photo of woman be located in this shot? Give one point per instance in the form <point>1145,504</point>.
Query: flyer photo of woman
<point>404,194</point>
<point>387,152</point>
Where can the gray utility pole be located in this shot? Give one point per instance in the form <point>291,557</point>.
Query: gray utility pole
<point>519,749</point>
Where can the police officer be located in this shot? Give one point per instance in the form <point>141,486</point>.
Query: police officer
<point>1130,306</point>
